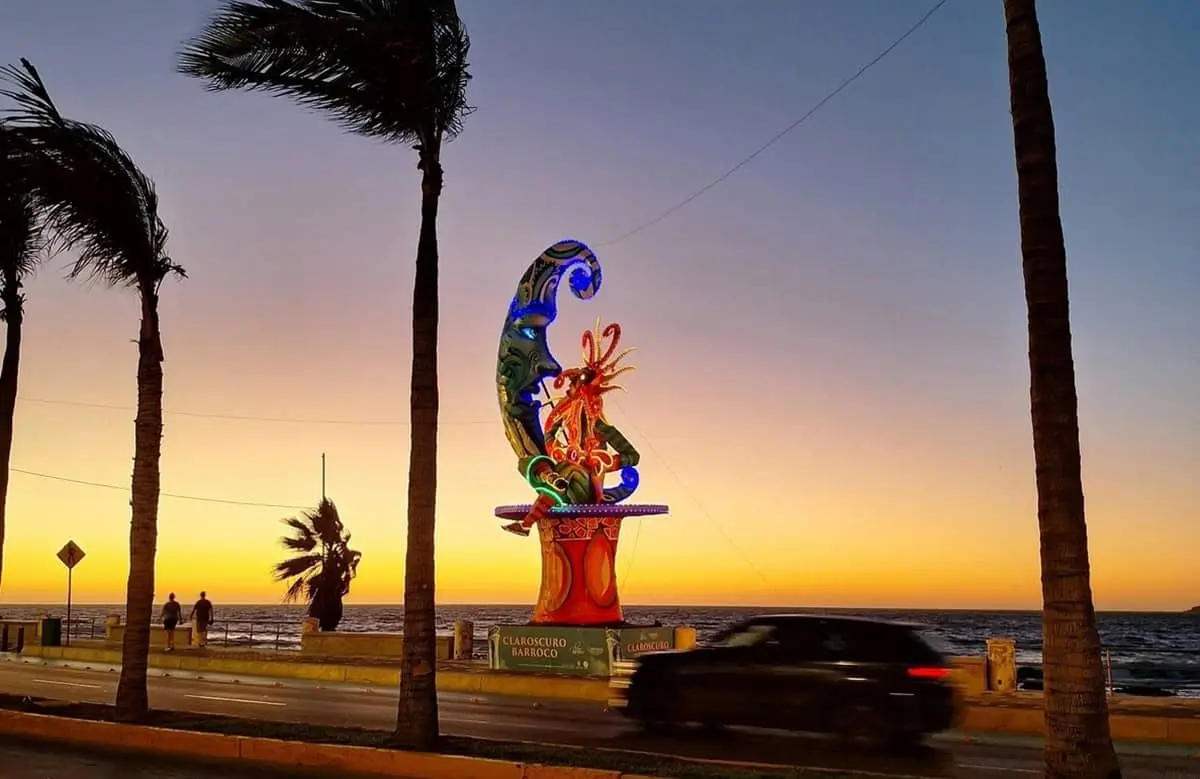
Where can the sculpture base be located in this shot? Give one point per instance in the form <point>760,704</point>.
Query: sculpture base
<point>575,651</point>
<point>579,549</point>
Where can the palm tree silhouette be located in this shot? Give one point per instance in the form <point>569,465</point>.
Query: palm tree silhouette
<point>22,247</point>
<point>1078,736</point>
<point>103,208</point>
<point>323,566</point>
<point>395,70</point>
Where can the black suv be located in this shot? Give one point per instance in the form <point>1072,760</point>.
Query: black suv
<point>855,678</point>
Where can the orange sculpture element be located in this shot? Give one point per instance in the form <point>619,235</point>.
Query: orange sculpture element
<point>575,427</point>
<point>579,576</point>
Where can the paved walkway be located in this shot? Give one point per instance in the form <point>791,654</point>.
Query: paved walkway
<point>38,761</point>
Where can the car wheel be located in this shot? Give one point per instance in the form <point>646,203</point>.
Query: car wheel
<point>903,741</point>
<point>854,722</point>
<point>652,711</point>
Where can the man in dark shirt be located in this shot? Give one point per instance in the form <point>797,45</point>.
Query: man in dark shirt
<point>202,617</point>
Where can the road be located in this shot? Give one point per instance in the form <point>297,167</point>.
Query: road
<point>558,722</point>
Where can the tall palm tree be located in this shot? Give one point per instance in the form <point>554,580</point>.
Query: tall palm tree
<point>323,565</point>
<point>1078,740</point>
<point>102,207</point>
<point>22,246</point>
<point>394,70</point>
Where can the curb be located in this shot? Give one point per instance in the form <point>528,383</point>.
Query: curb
<point>280,754</point>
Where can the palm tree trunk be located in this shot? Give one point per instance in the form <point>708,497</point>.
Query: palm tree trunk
<point>8,394</point>
<point>1078,740</point>
<point>417,715</point>
<point>132,698</point>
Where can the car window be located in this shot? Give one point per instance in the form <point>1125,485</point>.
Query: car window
<point>873,643</point>
<point>795,641</point>
<point>747,635</point>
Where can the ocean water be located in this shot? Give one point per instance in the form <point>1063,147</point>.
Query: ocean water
<point>1161,649</point>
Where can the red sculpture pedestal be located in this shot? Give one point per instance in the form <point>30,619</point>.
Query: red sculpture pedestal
<point>579,549</point>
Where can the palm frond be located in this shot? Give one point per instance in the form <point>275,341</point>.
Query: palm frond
<point>303,539</point>
<point>390,69</point>
<point>297,587</point>
<point>301,526</point>
<point>352,559</point>
<point>298,543</point>
<point>296,566</point>
<point>326,565</point>
<point>97,201</point>
<point>23,242</point>
<point>327,524</point>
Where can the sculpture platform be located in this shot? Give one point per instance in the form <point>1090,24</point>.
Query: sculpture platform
<point>579,548</point>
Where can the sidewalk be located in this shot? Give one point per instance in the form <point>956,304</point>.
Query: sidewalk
<point>40,761</point>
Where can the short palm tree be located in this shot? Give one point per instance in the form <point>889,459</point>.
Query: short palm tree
<point>1078,739</point>
<point>103,208</point>
<point>395,70</point>
<point>323,565</point>
<point>22,247</point>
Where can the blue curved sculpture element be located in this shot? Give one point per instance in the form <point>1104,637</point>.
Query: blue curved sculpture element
<point>524,360</point>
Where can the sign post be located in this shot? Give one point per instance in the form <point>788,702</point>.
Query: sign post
<point>70,555</point>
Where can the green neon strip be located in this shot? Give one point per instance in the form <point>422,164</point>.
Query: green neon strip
<point>551,493</point>
<point>541,489</point>
<point>529,468</point>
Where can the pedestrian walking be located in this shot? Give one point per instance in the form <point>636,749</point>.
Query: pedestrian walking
<point>171,612</point>
<point>202,617</point>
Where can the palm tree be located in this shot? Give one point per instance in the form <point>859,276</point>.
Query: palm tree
<point>323,566</point>
<point>22,246</point>
<point>394,70</point>
<point>1078,740</point>
<point>102,207</point>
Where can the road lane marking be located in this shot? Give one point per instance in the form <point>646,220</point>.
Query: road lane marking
<point>234,700</point>
<point>1000,768</point>
<point>65,684</point>
<point>500,725</point>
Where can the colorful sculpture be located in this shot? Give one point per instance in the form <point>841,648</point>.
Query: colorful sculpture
<point>567,459</point>
<point>576,430</point>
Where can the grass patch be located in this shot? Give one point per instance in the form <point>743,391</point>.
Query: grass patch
<point>466,747</point>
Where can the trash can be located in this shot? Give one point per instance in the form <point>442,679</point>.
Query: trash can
<point>51,631</point>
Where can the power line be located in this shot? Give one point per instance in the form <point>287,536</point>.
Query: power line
<point>691,494</point>
<point>176,496</point>
<point>637,536</point>
<point>250,417</point>
<point>779,136</point>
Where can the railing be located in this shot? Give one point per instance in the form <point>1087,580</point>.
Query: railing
<point>249,634</point>
<point>82,627</point>
<point>1147,669</point>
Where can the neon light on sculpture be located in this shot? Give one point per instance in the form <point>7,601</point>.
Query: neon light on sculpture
<point>566,458</point>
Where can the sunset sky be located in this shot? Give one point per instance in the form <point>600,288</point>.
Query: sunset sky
<point>832,385</point>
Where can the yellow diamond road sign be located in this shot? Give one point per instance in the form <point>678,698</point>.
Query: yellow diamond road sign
<point>70,554</point>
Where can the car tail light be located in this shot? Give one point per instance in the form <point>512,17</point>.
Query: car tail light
<point>935,673</point>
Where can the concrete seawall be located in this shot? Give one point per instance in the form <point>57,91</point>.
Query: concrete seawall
<point>1133,719</point>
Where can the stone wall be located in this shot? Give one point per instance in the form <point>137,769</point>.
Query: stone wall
<point>337,644</point>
